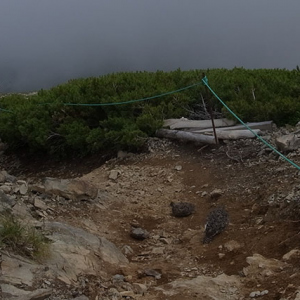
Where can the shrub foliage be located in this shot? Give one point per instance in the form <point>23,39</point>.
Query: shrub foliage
<point>21,239</point>
<point>46,122</point>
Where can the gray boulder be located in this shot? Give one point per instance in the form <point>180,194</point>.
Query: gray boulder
<point>221,287</point>
<point>71,189</point>
<point>288,142</point>
<point>6,202</point>
<point>74,251</point>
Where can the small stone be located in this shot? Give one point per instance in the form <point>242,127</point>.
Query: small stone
<point>259,221</point>
<point>23,189</point>
<point>158,250</point>
<point>166,241</point>
<point>139,233</point>
<point>40,204</point>
<point>127,250</point>
<point>127,294</point>
<point>113,174</point>
<point>118,278</point>
<point>178,168</point>
<point>265,292</point>
<point>128,278</point>
<point>254,294</point>
<point>216,194</point>
<point>221,255</point>
<point>232,246</point>
<point>204,194</point>
<point>153,273</point>
<point>113,293</point>
<point>139,288</point>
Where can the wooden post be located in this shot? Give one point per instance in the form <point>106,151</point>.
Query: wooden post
<point>211,111</point>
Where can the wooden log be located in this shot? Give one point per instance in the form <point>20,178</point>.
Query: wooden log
<point>237,134</point>
<point>199,124</point>
<point>185,136</point>
<point>206,139</point>
<point>266,125</point>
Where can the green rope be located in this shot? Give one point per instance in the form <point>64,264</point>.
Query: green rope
<point>132,101</point>
<point>124,102</point>
<point>205,81</point>
<point>6,110</point>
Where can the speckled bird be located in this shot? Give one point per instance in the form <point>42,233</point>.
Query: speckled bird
<point>182,209</point>
<point>217,220</point>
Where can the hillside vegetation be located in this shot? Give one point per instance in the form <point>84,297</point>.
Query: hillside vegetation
<point>44,122</point>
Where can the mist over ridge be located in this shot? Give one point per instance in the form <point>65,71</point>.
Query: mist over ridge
<point>47,43</point>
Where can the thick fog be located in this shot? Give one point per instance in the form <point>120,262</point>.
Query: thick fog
<point>44,43</point>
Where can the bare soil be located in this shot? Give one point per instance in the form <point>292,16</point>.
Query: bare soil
<point>141,197</point>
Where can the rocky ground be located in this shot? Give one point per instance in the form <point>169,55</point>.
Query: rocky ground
<point>90,217</point>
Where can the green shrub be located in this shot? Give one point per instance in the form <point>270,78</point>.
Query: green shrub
<point>47,122</point>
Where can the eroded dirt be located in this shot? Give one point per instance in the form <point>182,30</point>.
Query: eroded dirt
<point>141,194</point>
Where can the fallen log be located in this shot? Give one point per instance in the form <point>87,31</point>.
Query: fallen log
<point>236,134</point>
<point>206,139</point>
<point>185,136</point>
<point>266,125</point>
<point>196,124</point>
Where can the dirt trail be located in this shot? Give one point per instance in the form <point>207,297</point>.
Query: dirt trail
<point>136,191</point>
<point>140,196</point>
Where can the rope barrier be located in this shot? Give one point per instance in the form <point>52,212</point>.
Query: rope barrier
<point>6,110</point>
<point>133,101</point>
<point>205,81</point>
<point>124,102</point>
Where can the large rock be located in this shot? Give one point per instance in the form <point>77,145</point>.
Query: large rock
<point>6,202</point>
<point>293,254</point>
<point>4,176</point>
<point>259,266</point>
<point>288,142</point>
<point>75,251</point>
<point>221,287</point>
<point>17,270</point>
<point>71,189</point>
<point>12,292</point>
<point>39,294</point>
<point>21,212</point>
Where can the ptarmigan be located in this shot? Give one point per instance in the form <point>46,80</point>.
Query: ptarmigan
<point>217,221</point>
<point>182,209</point>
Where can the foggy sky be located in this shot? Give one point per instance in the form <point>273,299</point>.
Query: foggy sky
<point>46,42</point>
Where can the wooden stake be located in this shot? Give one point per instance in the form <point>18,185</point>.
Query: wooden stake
<point>211,111</point>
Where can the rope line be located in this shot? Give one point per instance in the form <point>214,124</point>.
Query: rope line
<point>205,81</point>
<point>123,102</point>
<point>6,110</point>
<point>136,100</point>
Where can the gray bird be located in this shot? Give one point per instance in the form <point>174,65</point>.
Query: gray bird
<point>182,209</point>
<point>217,221</point>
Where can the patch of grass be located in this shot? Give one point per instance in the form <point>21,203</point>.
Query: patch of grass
<point>23,240</point>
